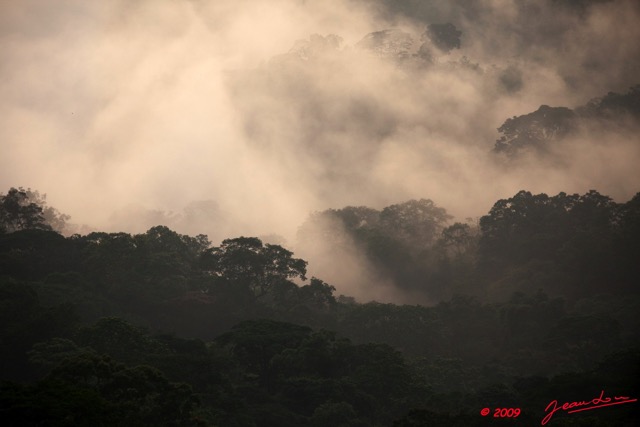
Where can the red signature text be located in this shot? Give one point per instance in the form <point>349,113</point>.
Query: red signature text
<point>584,405</point>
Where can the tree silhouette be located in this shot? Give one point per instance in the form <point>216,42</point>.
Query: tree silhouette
<point>19,212</point>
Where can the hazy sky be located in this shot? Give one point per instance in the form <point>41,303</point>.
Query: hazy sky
<point>242,117</point>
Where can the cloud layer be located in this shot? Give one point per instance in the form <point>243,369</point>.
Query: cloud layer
<point>242,117</point>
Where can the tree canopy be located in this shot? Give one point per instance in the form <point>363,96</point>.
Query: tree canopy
<point>22,209</point>
<point>248,262</point>
<point>539,299</point>
<point>445,37</point>
<point>548,126</point>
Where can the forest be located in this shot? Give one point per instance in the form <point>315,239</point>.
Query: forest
<point>535,302</point>
<point>292,213</point>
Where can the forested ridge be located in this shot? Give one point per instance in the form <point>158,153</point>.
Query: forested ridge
<point>320,213</point>
<point>535,301</point>
<point>547,127</point>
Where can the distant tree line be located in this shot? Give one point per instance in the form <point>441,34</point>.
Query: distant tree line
<point>539,302</point>
<point>545,128</point>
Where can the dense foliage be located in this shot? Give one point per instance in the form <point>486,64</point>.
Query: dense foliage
<point>27,209</point>
<point>536,302</point>
<point>547,127</point>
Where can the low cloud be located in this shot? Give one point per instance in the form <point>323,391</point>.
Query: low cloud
<point>241,118</point>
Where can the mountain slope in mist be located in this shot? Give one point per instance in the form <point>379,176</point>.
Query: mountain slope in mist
<point>614,114</point>
<point>567,244</point>
<point>210,117</point>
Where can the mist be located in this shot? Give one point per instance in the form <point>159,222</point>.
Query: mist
<point>242,118</point>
